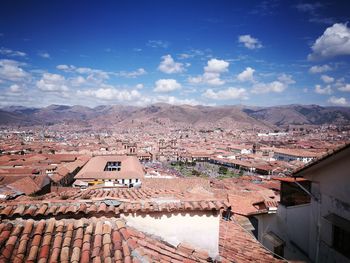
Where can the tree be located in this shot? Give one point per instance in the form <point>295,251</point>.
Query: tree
<point>223,170</point>
<point>195,173</point>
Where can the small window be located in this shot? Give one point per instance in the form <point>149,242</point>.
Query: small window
<point>292,194</point>
<point>279,250</point>
<point>112,166</point>
<point>341,241</point>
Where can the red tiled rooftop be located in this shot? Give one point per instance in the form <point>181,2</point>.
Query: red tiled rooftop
<point>237,245</point>
<point>86,241</point>
<point>110,208</point>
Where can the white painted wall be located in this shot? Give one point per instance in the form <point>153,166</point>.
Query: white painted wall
<point>289,224</point>
<point>331,184</point>
<point>200,229</point>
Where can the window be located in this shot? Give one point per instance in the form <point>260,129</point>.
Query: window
<point>279,250</point>
<point>112,166</point>
<point>292,194</point>
<point>341,241</point>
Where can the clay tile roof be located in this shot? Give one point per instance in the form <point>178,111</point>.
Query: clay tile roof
<point>64,208</point>
<point>25,185</point>
<point>94,169</point>
<point>87,241</point>
<point>237,245</point>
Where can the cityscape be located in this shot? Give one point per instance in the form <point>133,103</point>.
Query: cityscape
<point>174,131</point>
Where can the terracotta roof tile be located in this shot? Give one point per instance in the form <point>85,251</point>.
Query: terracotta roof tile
<point>86,241</point>
<point>237,245</point>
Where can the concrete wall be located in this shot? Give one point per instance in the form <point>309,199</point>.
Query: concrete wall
<point>331,185</point>
<point>200,229</point>
<point>290,224</point>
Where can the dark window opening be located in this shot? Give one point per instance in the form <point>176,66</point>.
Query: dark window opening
<point>112,166</point>
<point>292,194</point>
<point>341,241</point>
<point>255,222</point>
<point>279,250</point>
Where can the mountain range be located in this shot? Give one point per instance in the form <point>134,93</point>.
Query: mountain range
<point>181,115</point>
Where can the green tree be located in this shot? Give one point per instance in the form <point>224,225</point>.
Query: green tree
<point>223,170</point>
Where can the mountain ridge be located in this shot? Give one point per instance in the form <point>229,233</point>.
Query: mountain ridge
<point>234,116</point>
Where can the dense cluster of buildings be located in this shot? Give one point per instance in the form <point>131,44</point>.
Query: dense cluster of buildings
<point>106,196</point>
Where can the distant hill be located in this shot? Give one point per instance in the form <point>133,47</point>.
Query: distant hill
<point>301,114</point>
<point>181,115</point>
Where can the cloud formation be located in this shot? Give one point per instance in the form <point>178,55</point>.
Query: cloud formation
<point>323,91</point>
<point>319,69</point>
<point>212,73</point>
<point>11,70</point>
<point>335,41</point>
<point>345,88</point>
<point>276,86</point>
<point>166,85</point>
<point>226,94</point>
<point>44,54</point>
<point>157,43</point>
<point>250,42</point>
<point>110,93</point>
<point>327,79</point>
<point>246,75</point>
<point>169,66</point>
<point>11,53</point>
<point>52,83</point>
<point>341,101</point>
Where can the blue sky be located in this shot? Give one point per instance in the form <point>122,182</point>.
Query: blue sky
<point>181,52</point>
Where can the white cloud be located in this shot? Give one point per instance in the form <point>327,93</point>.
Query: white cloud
<point>275,86</point>
<point>226,94</point>
<point>15,88</point>
<point>98,75</point>
<point>308,7</point>
<point>174,100</point>
<point>157,43</point>
<point>286,79</point>
<point>166,85</point>
<point>216,66</point>
<point>44,54</point>
<point>139,86</point>
<point>249,42</point>
<point>132,74</point>
<point>319,69</point>
<point>212,73</point>
<point>207,78</point>
<point>184,56</point>
<point>345,87</point>
<point>338,101</point>
<point>95,75</point>
<point>327,79</point>
<point>11,70</point>
<point>65,67</point>
<point>246,75</point>
<point>52,83</point>
<point>326,90</point>
<point>335,41</point>
<point>11,53</point>
<point>78,81</point>
<point>169,66</point>
<point>110,93</point>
